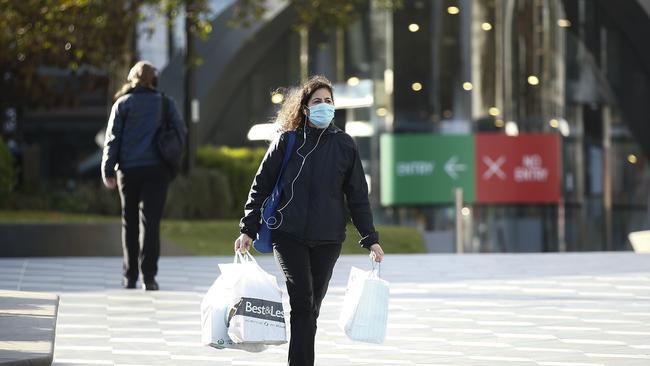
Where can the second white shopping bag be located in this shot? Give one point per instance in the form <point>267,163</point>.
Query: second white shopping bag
<point>364,314</point>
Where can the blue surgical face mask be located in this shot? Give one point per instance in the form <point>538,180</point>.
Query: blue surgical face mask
<point>321,115</point>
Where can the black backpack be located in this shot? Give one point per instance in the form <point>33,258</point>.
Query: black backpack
<point>169,140</point>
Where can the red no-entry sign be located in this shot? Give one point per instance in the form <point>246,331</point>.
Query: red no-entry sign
<point>521,169</point>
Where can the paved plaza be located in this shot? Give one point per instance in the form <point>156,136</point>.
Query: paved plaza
<point>582,309</point>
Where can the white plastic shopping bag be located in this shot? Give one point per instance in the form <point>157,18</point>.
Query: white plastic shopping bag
<point>214,310</point>
<point>256,311</point>
<point>365,306</point>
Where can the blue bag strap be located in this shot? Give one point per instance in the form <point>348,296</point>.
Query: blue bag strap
<point>287,154</point>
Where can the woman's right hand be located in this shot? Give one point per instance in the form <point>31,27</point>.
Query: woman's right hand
<point>243,243</point>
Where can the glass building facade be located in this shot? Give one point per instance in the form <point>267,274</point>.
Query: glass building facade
<point>448,67</point>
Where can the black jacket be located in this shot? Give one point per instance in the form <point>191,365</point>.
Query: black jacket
<point>332,182</point>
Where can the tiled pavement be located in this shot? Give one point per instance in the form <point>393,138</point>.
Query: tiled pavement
<point>582,309</point>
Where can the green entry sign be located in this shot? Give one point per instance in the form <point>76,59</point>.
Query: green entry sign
<point>423,169</point>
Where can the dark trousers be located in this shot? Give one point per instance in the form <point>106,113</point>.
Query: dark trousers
<point>307,271</point>
<point>143,191</point>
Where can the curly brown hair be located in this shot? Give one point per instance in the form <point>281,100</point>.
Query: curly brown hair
<point>291,115</point>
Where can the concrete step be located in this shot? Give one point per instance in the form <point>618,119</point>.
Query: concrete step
<point>27,327</point>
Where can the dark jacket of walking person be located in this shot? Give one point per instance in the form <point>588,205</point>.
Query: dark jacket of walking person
<point>322,182</point>
<point>131,161</point>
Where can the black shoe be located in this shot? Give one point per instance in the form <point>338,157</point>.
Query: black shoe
<point>128,283</point>
<point>150,285</point>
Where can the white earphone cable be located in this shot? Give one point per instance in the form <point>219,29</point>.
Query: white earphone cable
<point>271,222</point>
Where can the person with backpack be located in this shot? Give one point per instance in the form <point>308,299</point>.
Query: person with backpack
<point>142,152</point>
<point>323,183</point>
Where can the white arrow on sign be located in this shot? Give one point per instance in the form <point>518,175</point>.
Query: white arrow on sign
<point>452,167</point>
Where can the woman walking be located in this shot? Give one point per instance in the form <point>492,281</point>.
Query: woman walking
<point>322,181</point>
<point>131,161</point>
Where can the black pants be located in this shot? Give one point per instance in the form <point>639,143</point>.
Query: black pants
<point>143,191</point>
<point>307,271</point>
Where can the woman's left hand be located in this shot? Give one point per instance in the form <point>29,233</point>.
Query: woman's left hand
<point>376,252</point>
<point>110,182</point>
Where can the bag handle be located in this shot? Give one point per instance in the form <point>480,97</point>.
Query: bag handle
<point>239,258</point>
<point>376,269</point>
<point>164,110</point>
<point>249,257</point>
<point>243,257</point>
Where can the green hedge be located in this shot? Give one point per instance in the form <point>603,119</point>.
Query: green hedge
<point>205,193</point>
<point>7,174</point>
<point>86,197</point>
<point>239,165</point>
<point>216,189</point>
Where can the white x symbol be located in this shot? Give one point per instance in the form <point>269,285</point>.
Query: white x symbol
<point>494,167</point>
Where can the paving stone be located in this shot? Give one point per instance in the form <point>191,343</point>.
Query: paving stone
<point>571,309</point>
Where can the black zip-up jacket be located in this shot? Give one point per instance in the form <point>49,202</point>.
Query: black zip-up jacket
<point>331,188</point>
